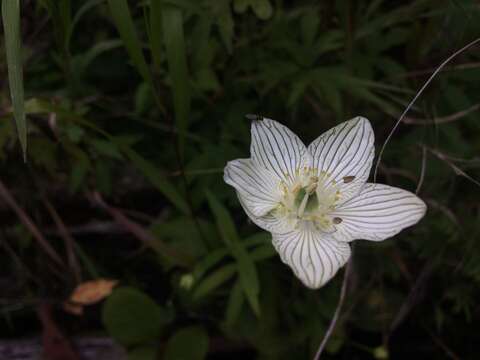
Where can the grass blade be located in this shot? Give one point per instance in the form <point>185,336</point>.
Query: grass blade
<point>13,48</point>
<point>172,23</point>
<point>246,268</point>
<point>155,33</point>
<point>123,21</point>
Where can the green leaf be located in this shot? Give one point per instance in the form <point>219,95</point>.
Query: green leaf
<point>246,268</point>
<point>155,33</point>
<point>309,26</point>
<point>13,48</point>
<point>214,280</point>
<point>190,343</point>
<point>225,23</point>
<point>143,353</point>
<point>210,260</point>
<point>126,28</point>
<point>172,22</point>
<point>90,4</point>
<point>132,317</point>
<point>262,8</point>
<point>157,179</point>
<point>106,148</point>
<point>234,305</point>
<point>60,13</point>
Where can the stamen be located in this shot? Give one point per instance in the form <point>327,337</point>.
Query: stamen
<point>313,186</point>
<point>348,179</point>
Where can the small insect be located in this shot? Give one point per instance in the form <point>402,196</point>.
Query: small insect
<point>337,220</point>
<point>254,117</point>
<point>348,179</point>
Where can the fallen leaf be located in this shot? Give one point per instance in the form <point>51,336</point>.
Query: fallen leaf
<point>88,293</point>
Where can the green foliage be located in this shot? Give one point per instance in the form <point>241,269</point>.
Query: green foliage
<point>134,108</point>
<point>13,49</point>
<point>190,343</point>
<point>132,317</point>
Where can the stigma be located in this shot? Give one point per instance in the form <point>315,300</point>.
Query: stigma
<point>310,200</point>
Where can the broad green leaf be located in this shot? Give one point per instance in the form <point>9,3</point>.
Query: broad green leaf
<point>132,317</point>
<point>172,22</point>
<point>190,343</point>
<point>246,268</point>
<point>126,28</point>
<point>13,48</point>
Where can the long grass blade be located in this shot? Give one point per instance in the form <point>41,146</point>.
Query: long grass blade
<point>13,48</point>
<point>172,23</point>
<point>123,21</point>
<point>247,271</point>
<point>155,33</point>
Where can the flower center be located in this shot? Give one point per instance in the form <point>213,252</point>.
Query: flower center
<point>309,201</point>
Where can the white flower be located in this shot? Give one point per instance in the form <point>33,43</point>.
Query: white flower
<point>316,200</point>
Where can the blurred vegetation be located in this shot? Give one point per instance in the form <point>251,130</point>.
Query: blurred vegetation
<point>133,108</point>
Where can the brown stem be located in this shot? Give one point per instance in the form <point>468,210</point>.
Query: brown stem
<point>341,300</point>
<point>442,120</point>
<point>141,233</point>
<point>68,239</point>
<point>25,219</point>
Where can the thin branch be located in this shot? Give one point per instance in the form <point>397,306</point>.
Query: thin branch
<point>422,171</point>
<point>443,120</point>
<point>141,233</point>
<point>454,167</point>
<point>341,300</point>
<point>420,92</point>
<point>25,219</point>
<point>441,344</point>
<point>68,239</point>
<point>466,66</point>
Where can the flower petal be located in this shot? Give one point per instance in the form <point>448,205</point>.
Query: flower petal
<point>278,149</point>
<point>314,258</point>
<point>256,187</point>
<point>268,222</point>
<point>345,152</point>
<point>378,212</point>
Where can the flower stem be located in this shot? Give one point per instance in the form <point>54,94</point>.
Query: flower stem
<point>341,300</point>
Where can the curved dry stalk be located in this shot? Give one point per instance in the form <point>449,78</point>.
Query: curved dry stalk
<point>141,233</point>
<point>443,120</point>
<point>67,237</point>
<point>420,92</point>
<point>334,320</point>
<point>30,225</point>
<point>422,171</point>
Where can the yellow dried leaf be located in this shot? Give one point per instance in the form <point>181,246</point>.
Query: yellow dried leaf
<point>88,293</point>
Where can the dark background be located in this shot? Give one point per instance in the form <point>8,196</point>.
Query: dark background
<point>134,111</point>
